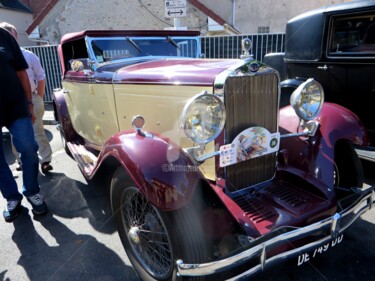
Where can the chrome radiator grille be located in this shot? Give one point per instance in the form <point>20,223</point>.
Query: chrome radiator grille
<point>250,101</point>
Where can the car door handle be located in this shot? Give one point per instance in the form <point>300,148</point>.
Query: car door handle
<point>324,67</point>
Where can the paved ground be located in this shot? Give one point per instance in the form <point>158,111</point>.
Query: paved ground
<point>77,240</point>
<point>48,117</point>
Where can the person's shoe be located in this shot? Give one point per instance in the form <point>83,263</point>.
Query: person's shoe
<point>13,210</point>
<point>39,206</point>
<point>18,166</point>
<point>46,167</point>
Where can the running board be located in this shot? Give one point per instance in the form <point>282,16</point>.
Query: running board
<point>84,158</point>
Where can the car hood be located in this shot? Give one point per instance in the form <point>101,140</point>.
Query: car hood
<point>174,71</point>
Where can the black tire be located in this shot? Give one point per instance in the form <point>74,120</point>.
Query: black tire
<point>348,166</point>
<point>154,239</point>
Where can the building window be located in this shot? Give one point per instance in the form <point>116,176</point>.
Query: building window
<point>263,29</point>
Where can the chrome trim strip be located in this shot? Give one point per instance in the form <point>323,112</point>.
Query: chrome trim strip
<point>331,224</point>
<point>366,154</point>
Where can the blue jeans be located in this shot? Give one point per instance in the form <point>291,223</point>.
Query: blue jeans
<point>24,141</point>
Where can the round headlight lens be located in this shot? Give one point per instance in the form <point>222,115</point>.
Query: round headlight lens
<point>203,118</point>
<point>307,100</point>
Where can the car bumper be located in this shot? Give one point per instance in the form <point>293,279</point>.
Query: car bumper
<point>333,226</point>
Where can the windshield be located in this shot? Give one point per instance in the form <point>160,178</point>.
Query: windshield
<point>109,49</point>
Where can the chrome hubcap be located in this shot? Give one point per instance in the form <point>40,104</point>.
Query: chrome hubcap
<point>133,235</point>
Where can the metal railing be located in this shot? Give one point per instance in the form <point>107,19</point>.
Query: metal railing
<point>50,61</point>
<point>227,47</point>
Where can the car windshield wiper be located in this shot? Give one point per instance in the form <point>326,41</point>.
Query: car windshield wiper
<point>170,40</point>
<point>134,44</point>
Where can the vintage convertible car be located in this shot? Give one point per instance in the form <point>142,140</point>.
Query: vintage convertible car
<point>336,47</point>
<point>209,179</point>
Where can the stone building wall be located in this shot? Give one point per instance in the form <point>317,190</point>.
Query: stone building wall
<point>21,21</point>
<point>245,15</point>
<point>75,15</point>
<point>248,15</point>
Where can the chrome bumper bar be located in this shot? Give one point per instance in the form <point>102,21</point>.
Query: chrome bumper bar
<point>366,153</point>
<point>334,225</point>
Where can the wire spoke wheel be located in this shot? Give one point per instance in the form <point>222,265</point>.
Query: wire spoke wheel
<point>152,238</point>
<point>146,233</point>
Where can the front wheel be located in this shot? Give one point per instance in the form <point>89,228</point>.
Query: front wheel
<point>154,239</point>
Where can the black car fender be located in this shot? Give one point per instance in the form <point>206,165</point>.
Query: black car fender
<point>287,88</point>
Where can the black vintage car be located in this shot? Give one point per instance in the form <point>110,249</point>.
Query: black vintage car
<point>335,45</point>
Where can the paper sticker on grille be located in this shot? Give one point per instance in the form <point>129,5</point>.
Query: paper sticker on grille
<point>250,143</point>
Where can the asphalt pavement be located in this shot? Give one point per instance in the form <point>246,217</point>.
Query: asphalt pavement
<point>77,239</point>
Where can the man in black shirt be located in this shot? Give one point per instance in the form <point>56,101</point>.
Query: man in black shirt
<point>16,114</point>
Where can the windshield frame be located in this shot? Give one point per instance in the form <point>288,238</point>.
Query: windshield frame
<point>134,41</point>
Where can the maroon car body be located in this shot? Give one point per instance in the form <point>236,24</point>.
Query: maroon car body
<point>248,186</point>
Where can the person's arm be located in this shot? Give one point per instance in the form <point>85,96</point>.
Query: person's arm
<point>41,87</point>
<point>24,79</point>
<point>39,74</point>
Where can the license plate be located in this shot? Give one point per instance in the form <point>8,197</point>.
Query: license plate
<point>305,257</point>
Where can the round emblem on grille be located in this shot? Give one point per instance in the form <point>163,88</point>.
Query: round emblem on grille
<point>254,67</point>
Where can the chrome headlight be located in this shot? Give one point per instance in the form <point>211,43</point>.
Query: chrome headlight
<point>203,118</point>
<point>307,100</point>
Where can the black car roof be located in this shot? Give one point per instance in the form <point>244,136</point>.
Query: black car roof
<point>347,6</point>
<point>304,33</point>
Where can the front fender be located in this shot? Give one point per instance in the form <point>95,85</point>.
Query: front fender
<point>161,170</point>
<point>315,155</point>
